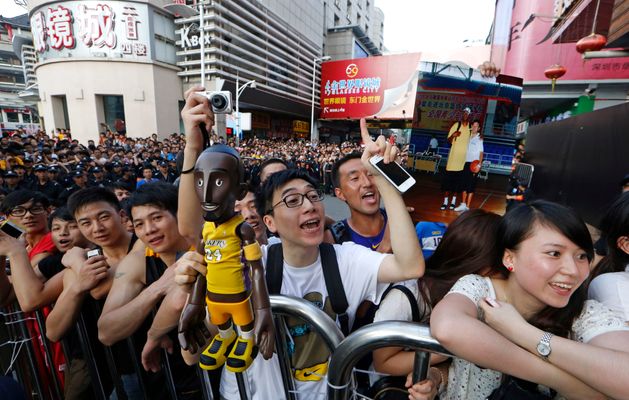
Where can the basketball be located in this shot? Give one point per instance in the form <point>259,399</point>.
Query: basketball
<point>475,166</point>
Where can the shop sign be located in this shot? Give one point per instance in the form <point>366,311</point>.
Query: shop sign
<point>91,29</point>
<point>190,37</point>
<point>383,87</point>
<point>301,126</point>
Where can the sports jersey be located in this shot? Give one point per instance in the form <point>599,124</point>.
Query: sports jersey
<point>458,151</point>
<point>223,252</point>
<point>370,242</point>
<point>429,235</point>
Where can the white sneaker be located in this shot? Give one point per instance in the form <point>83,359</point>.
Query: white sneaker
<point>462,207</point>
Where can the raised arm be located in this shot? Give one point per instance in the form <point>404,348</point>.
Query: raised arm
<point>407,261</point>
<point>195,112</point>
<point>602,363</point>
<point>32,291</point>
<point>455,325</point>
<point>129,302</point>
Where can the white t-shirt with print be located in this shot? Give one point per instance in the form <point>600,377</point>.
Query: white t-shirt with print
<point>358,267</point>
<point>470,382</point>
<point>474,148</point>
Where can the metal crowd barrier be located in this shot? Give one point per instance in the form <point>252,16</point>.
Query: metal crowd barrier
<point>345,351</point>
<point>283,306</point>
<point>374,336</point>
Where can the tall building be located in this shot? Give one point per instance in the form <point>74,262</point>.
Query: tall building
<point>277,43</point>
<point>17,109</point>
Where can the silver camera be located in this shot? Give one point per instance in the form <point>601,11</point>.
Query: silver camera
<point>221,102</point>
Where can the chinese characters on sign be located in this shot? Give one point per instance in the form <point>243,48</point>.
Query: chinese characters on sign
<point>437,111</point>
<point>610,66</point>
<point>114,28</point>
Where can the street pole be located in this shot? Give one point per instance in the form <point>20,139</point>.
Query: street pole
<point>202,40</point>
<point>316,60</point>
<point>237,110</point>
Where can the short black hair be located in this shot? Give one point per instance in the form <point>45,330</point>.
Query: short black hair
<point>61,213</point>
<point>86,196</point>
<point>264,195</point>
<point>336,182</point>
<point>119,185</point>
<point>270,161</point>
<point>158,194</point>
<point>18,197</point>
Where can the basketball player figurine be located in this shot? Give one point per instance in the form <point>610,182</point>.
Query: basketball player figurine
<point>226,238</point>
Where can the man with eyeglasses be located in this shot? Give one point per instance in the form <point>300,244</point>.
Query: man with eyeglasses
<point>291,207</point>
<point>29,210</point>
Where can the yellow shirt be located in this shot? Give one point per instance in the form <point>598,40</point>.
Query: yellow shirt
<point>458,149</point>
<point>223,252</point>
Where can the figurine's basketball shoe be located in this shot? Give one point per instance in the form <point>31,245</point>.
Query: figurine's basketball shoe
<point>214,356</point>
<point>242,355</point>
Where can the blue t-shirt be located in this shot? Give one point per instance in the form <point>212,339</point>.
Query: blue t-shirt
<point>370,242</point>
<point>429,235</point>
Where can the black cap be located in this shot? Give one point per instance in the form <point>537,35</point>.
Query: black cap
<point>77,173</point>
<point>28,159</point>
<point>163,164</point>
<point>116,164</point>
<point>40,167</point>
<point>625,181</point>
<point>97,169</point>
<point>10,174</point>
<point>53,168</point>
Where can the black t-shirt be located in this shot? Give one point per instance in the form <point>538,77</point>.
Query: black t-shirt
<point>51,265</point>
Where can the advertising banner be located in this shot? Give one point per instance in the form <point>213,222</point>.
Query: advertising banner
<point>91,29</point>
<point>383,87</point>
<point>437,111</point>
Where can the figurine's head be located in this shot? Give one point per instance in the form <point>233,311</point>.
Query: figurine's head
<point>219,176</point>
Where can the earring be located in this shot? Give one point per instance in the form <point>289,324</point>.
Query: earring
<point>510,267</point>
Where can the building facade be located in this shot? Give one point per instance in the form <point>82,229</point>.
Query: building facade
<point>18,110</point>
<point>277,44</point>
<point>126,64</point>
<point>106,64</point>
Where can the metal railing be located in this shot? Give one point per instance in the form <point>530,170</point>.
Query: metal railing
<point>345,352</point>
<point>370,338</point>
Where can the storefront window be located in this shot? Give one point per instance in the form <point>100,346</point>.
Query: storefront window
<point>13,117</point>
<point>114,113</point>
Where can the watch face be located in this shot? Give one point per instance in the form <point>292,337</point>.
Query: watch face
<point>543,349</point>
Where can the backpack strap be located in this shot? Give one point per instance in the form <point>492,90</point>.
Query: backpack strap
<point>409,295</point>
<point>334,285</point>
<point>274,268</point>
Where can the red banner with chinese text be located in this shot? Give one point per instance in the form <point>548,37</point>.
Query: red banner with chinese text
<point>382,87</point>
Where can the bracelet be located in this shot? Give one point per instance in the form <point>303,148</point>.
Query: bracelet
<point>187,171</point>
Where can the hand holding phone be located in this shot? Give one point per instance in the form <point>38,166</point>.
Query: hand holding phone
<point>394,173</point>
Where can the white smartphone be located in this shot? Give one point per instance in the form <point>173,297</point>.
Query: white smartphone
<point>394,173</point>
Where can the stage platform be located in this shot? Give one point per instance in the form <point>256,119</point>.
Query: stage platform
<point>426,198</point>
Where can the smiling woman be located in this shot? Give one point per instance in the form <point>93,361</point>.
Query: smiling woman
<point>535,321</point>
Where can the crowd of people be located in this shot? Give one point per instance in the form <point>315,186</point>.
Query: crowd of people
<point>108,256</point>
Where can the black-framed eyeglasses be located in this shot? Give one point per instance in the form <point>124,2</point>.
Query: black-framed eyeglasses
<point>294,200</point>
<point>21,211</point>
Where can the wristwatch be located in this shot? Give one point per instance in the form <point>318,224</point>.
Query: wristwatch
<point>543,347</point>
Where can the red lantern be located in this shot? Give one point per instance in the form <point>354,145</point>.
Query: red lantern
<point>592,42</point>
<point>555,72</point>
